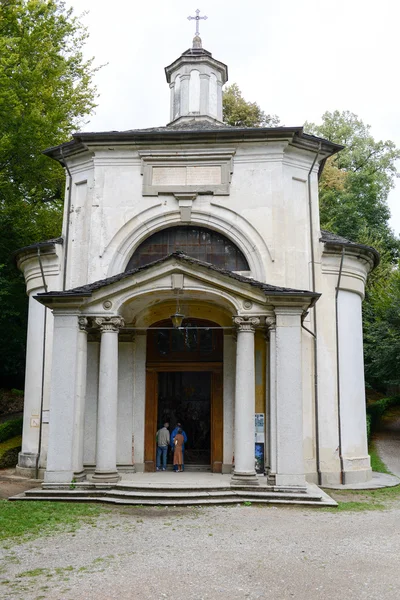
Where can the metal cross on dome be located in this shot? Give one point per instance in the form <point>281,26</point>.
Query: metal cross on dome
<point>197,18</point>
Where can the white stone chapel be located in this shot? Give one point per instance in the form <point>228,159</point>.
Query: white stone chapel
<point>192,283</point>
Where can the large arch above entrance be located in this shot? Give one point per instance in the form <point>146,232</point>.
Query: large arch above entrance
<point>197,242</point>
<point>184,382</point>
<point>226,221</point>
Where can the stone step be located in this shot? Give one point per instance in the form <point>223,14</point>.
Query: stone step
<point>145,501</point>
<point>132,493</point>
<point>172,497</point>
<point>168,493</point>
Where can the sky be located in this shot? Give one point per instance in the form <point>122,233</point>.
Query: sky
<point>295,58</point>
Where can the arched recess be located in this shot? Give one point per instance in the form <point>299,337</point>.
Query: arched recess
<point>224,220</point>
<point>197,242</point>
<point>184,382</point>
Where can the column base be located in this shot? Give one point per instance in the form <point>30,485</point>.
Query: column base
<point>244,479</point>
<point>27,460</point>
<point>58,476</point>
<point>80,475</point>
<point>290,480</point>
<point>106,477</point>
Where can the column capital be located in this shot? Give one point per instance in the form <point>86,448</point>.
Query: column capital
<point>247,324</point>
<point>270,323</point>
<point>106,324</point>
<point>83,323</point>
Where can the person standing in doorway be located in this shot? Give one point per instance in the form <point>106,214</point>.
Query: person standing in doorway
<point>173,434</point>
<point>178,454</point>
<point>163,439</point>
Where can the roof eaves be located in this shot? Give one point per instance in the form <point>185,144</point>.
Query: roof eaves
<point>334,240</point>
<point>38,245</point>
<point>269,290</point>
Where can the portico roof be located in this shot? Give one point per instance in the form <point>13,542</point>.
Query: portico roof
<point>179,257</point>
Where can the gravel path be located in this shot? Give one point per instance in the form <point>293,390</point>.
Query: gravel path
<point>213,553</point>
<point>387,442</point>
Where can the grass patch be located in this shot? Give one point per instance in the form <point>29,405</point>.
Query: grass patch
<point>361,500</point>
<point>33,519</point>
<point>377,463</point>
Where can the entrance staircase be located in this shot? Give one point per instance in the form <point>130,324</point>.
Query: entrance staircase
<point>171,489</point>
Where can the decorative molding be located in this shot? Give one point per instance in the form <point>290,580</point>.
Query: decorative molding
<point>107,324</point>
<point>247,304</point>
<point>270,322</point>
<point>186,172</point>
<point>83,323</point>
<point>185,202</point>
<point>246,324</point>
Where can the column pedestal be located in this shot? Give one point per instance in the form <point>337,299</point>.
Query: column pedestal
<point>244,473</point>
<point>79,472</point>
<point>289,398</point>
<point>28,457</point>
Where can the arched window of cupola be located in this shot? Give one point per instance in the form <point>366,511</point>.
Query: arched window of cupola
<point>197,242</point>
<point>194,91</point>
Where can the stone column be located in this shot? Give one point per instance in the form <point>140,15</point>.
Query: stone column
<point>33,387</point>
<point>244,473</point>
<point>63,392</point>
<point>270,425</point>
<point>229,399</point>
<point>106,445</point>
<point>289,400</point>
<point>80,399</point>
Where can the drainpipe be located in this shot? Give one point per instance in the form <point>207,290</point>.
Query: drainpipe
<point>67,221</point>
<point>43,367</point>
<point>315,334</point>
<point>342,473</point>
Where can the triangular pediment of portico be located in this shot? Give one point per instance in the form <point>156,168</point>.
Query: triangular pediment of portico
<point>173,274</point>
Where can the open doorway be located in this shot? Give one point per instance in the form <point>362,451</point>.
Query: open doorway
<point>185,397</point>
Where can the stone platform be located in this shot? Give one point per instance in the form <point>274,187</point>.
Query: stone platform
<point>173,489</point>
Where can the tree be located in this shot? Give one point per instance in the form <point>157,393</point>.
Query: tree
<point>353,202</point>
<point>46,91</point>
<point>356,182</point>
<point>239,113</point>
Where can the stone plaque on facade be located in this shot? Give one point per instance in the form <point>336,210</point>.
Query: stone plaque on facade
<point>187,172</point>
<point>169,176</point>
<point>203,175</point>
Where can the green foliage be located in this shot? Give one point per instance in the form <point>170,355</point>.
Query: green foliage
<point>9,452</point>
<point>377,464</point>
<point>353,202</point>
<point>356,182</point>
<point>382,327</point>
<point>10,429</point>
<point>377,409</point>
<point>369,421</point>
<point>239,113</point>
<point>46,92</point>
<point>35,518</point>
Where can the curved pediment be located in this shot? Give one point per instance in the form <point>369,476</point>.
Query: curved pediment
<point>176,274</point>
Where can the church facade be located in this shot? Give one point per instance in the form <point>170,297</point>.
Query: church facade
<point>192,283</point>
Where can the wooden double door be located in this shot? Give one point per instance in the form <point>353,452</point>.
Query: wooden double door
<point>192,394</point>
